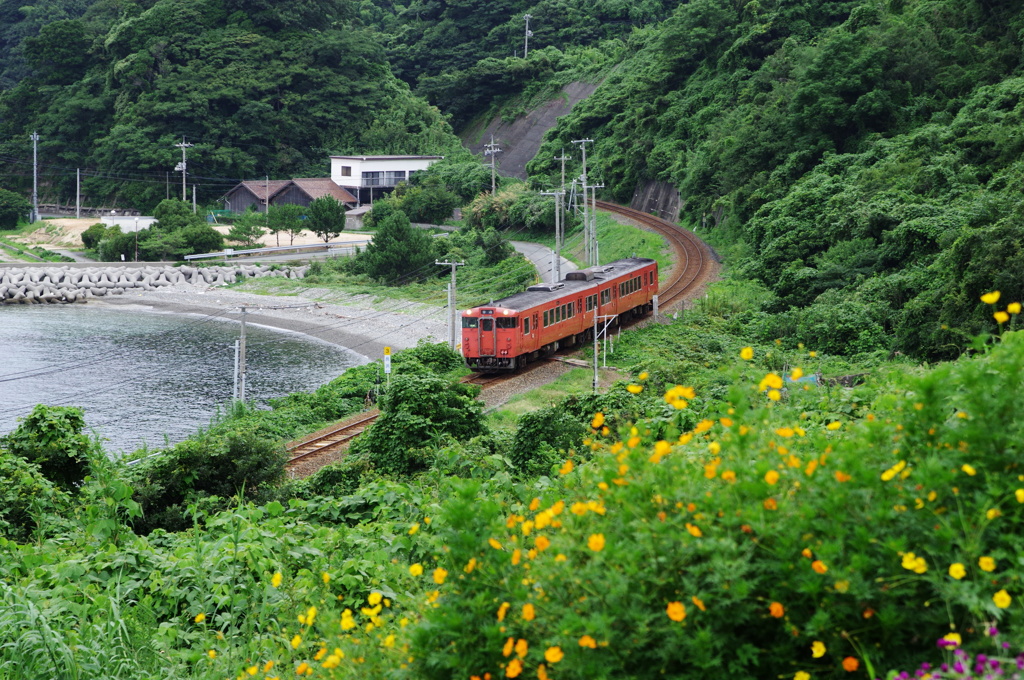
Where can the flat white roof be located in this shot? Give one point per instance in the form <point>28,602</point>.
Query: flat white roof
<point>389,158</point>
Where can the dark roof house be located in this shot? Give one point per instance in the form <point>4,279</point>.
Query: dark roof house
<point>302,191</point>
<point>253,193</point>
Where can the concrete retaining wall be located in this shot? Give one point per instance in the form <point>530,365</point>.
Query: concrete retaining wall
<point>64,284</point>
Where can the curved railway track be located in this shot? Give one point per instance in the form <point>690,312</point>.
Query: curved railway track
<point>693,260</point>
<point>693,267</point>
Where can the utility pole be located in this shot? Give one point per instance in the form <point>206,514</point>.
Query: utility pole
<point>183,166</point>
<point>527,36</point>
<point>241,361</point>
<point>78,192</point>
<point>556,265</point>
<point>492,150</point>
<point>35,177</point>
<point>193,199</point>
<point>136,239</point>
<point>591,260</point>
<point>592,230</point>
<point>452,332</point>
<point>266,198</point>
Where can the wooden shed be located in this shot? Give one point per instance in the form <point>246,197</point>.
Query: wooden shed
<point>304,191</point>
<point>253,193</point>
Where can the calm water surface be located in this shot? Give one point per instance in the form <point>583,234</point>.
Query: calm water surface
<point>142,376</point>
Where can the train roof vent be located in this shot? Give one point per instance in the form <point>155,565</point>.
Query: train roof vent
<point>580,275</point>
<point>547,287</point>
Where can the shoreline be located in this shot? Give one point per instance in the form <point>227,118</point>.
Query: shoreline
<point>359,324</point>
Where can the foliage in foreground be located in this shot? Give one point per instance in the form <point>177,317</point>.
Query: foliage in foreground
<point>830,533</point>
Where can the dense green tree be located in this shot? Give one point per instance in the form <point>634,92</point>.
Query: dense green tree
<point>285,218</point>
<point>398,253</point>
<point>248,228</point>
<point>431,204</point>
<point>12,208</point>
<point>326,217</point>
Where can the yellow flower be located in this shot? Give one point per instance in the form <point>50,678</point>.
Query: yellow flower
<point>502,610</point>
<point>1002,599</point>
<point>212,654</point>
<point>747,353</point>
<point>347,621</point>
<point>414,528</point>
<point>771,477</point>
<point>374,599</point>
<point>643,376</point>
<point>913,563</point>
<point>596,542</point>
<point>635,389</point>
<point>440,574</point>
<point>1013,308</point>
<point>987,563</point>
<point>554,654</point>
<point>729,476</point>
<point>296,641</point>
<point>522,648</point>
<point>588,642</point>
<point>200,617</point>
<point>694,530</point>
<point>796,374</point>
<point>566,468</point>
<point>494,543</point>
<point>528,612</point>
<point>802,675</point>
<point>416,569</point>
<point>676,611</point>
<point>834,425</point>
<point>542,673</point>
<point>817,649</point>
<point>514,668</point>
<point>320,654</point>
<point>517,555</point>
<point>470,566</point>
<point>1001,317</point>
<point>303,669</point>
<point>992,513</point>
<point>332,661</point>
<point>326,578</point>
<point>597,421</point>
<point>252,670</point>
<point>1019,493</point>
<point>275,580</point>
<point>957,571</point>
<point>774,395</point>
<point>954,638</point>
<point>990,298</point>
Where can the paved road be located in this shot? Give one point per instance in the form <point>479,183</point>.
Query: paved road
<point>542,257</point>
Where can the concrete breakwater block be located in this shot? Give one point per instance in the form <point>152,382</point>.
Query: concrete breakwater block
<point>63,284</point>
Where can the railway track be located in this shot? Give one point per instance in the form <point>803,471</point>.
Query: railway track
<point>693,267</point>
<point>693,261</point>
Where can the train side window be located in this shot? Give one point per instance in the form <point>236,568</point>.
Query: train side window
<point>507,322</point>
<point>606,296</point>
<point>546,322</point>
<point>526,326</point>
<point>470,321</point>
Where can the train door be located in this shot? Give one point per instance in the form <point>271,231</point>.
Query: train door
<point>487,337</point>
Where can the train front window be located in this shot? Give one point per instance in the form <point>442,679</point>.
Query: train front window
<point>507,322</point>
<point>470,322</point>
<point>487,324</point>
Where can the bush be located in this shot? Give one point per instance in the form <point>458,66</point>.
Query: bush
<point>12,208</point>
<point>51,437</point>
<point>30,505</point>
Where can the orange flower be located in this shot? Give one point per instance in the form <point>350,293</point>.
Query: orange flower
<point>842,476</point>
<point>698,603</point>
<point>770,504</point>
<point>515,667</point>
<point>510,644</point>
<point>771,477</point>
<point>850,664</point>
<point>522,648</point>
<point>566,468</point>
<point>502,610</point>
<point>676,611</point>
<point>777,610</point>
<point>819,566</point>
<point>554,654</point>
<point>589,642</point>
<point>528,612</point>
<point>596,542</point>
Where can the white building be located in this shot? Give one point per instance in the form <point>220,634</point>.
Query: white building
<point>362,175</point>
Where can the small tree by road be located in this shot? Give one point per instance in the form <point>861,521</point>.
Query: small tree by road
<point>326,217</point>
<point>248,229</point>
<point>287,218</point>
<point>12,208</point>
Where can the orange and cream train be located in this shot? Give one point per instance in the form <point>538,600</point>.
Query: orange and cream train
<point>506,334</point>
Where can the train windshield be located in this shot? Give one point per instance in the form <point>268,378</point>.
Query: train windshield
<point>470,322</point>
<point>507,322</point>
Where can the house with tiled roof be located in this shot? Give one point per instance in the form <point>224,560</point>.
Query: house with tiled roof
<point>304,191</point>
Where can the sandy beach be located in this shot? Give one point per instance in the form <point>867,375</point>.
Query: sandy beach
<point>361,323</point>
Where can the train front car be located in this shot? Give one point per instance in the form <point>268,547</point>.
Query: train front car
<point>491,338</point>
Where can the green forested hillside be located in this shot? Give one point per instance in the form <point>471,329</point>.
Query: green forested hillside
<point>259,88</point>
<point>863,156</point>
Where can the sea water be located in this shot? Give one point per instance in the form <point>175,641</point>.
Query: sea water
<point>147,378</point>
